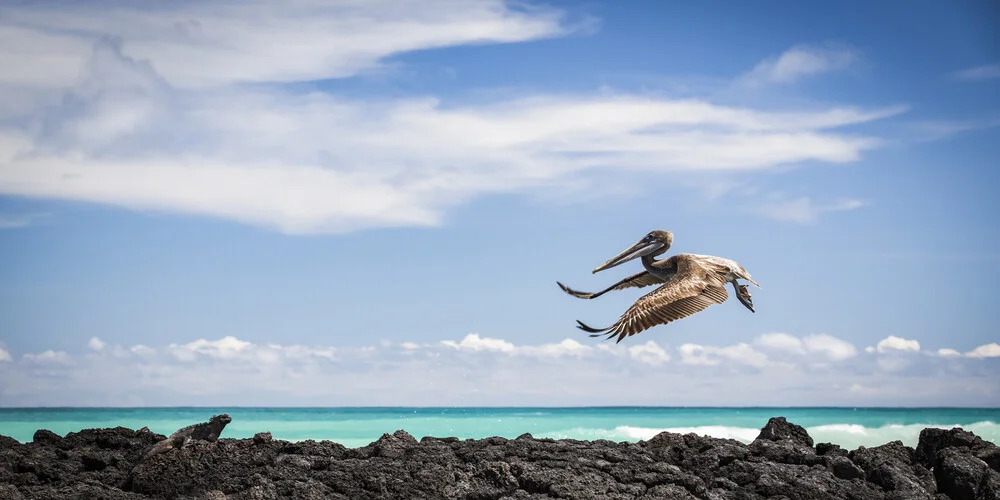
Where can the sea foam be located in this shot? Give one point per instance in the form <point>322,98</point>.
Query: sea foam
<point>848,436</point>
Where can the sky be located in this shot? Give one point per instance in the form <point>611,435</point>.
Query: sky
<point>370,202</point>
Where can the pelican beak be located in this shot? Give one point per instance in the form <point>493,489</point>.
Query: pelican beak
<point>640,249</point>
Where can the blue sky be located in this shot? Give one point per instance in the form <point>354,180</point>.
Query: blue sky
<point>293,198</point>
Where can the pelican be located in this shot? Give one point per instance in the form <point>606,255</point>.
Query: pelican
<point>661,271</point>
<point>691,283</point>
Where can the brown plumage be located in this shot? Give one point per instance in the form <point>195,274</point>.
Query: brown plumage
<point>690,283</point>
<point>696,285</point>
<point>637,280</point>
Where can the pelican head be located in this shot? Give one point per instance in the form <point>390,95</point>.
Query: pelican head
<point>653,244</point>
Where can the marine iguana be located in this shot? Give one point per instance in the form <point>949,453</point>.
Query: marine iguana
<point>206,431</point>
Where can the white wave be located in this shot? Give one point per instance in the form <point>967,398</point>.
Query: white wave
<point>853,435</point>
<point>630,433</point>
<point>848,436</point>
<point>744,434</point>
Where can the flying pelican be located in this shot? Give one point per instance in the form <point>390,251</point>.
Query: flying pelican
<point>692,282</point>
<point>663,271</point>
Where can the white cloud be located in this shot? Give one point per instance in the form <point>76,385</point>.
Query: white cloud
<point>155,120</point>
<point>4,355</point>
<point>834,348</point>
<point>781,342</point>
<point>798,62</point>
<point>9,221</point>
<point>568,347</point>
<point>985,351</point>
<point>830,347</point>
<point>226,347</point>
<point>487,371</point>
<point>96,344</point>
<point>804,210</point>
<point>473,342</point>
<point>741,353</point>
<point>650,353</point>
<point>978,73</point>
<point>934,130</point>
<point>196,44</point>
<point>948,353</point>
<point>142,350</point>
<point>229,348</point>
<point>695,354</point>
<point>48,356</point>
<point>894,343</point>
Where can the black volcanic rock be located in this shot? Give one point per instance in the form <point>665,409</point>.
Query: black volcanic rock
<point>45,436</point>
<point>964,476</point>
<point>779,429</point>
<point>830,449</point>
<point>780,463</point>
<point>891,467</point>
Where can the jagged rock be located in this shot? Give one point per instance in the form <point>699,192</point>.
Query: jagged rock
<point>393,445</point>
<point>830,449</point>
<point>45,436</point>
<point>891,467</point>
<point>931,440</point>
<point>962,476</point>
<point>8,442</point>
<point>8,491</point>
<point>108,463</point>
<point>786,452</point>
<point>844,468</point>
<point>991,456</point>
<point>779,429</point>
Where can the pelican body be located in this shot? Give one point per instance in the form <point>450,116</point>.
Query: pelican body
<point>690,283</point>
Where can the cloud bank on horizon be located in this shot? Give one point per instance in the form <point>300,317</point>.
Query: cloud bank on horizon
<point>151,108</point>
<point>772,369</point>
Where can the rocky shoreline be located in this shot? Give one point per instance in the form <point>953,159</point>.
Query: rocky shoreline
<point>781,463</point>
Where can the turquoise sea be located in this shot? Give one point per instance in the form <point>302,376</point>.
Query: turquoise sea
<point>354,427</point>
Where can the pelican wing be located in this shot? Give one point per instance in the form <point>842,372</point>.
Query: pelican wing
<point>637,280</point>
<point>723,265</point>
<point>691,291</point>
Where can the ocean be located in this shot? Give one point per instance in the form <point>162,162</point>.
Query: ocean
<point>355,427</point>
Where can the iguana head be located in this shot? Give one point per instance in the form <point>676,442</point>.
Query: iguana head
<point>221,419</point>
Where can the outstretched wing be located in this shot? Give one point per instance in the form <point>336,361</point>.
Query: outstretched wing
<point>637,280</point>
<point>689,292</point>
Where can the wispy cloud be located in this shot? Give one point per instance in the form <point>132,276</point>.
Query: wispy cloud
<point>774,368</point>
<point>978,73</point>
<point>159,118</point>
<point>941,129</point>
<point>49,356</point>
<point>194,44</point>
<point>12,221</point>
<point>804,210</point>
<point>800,62</point>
